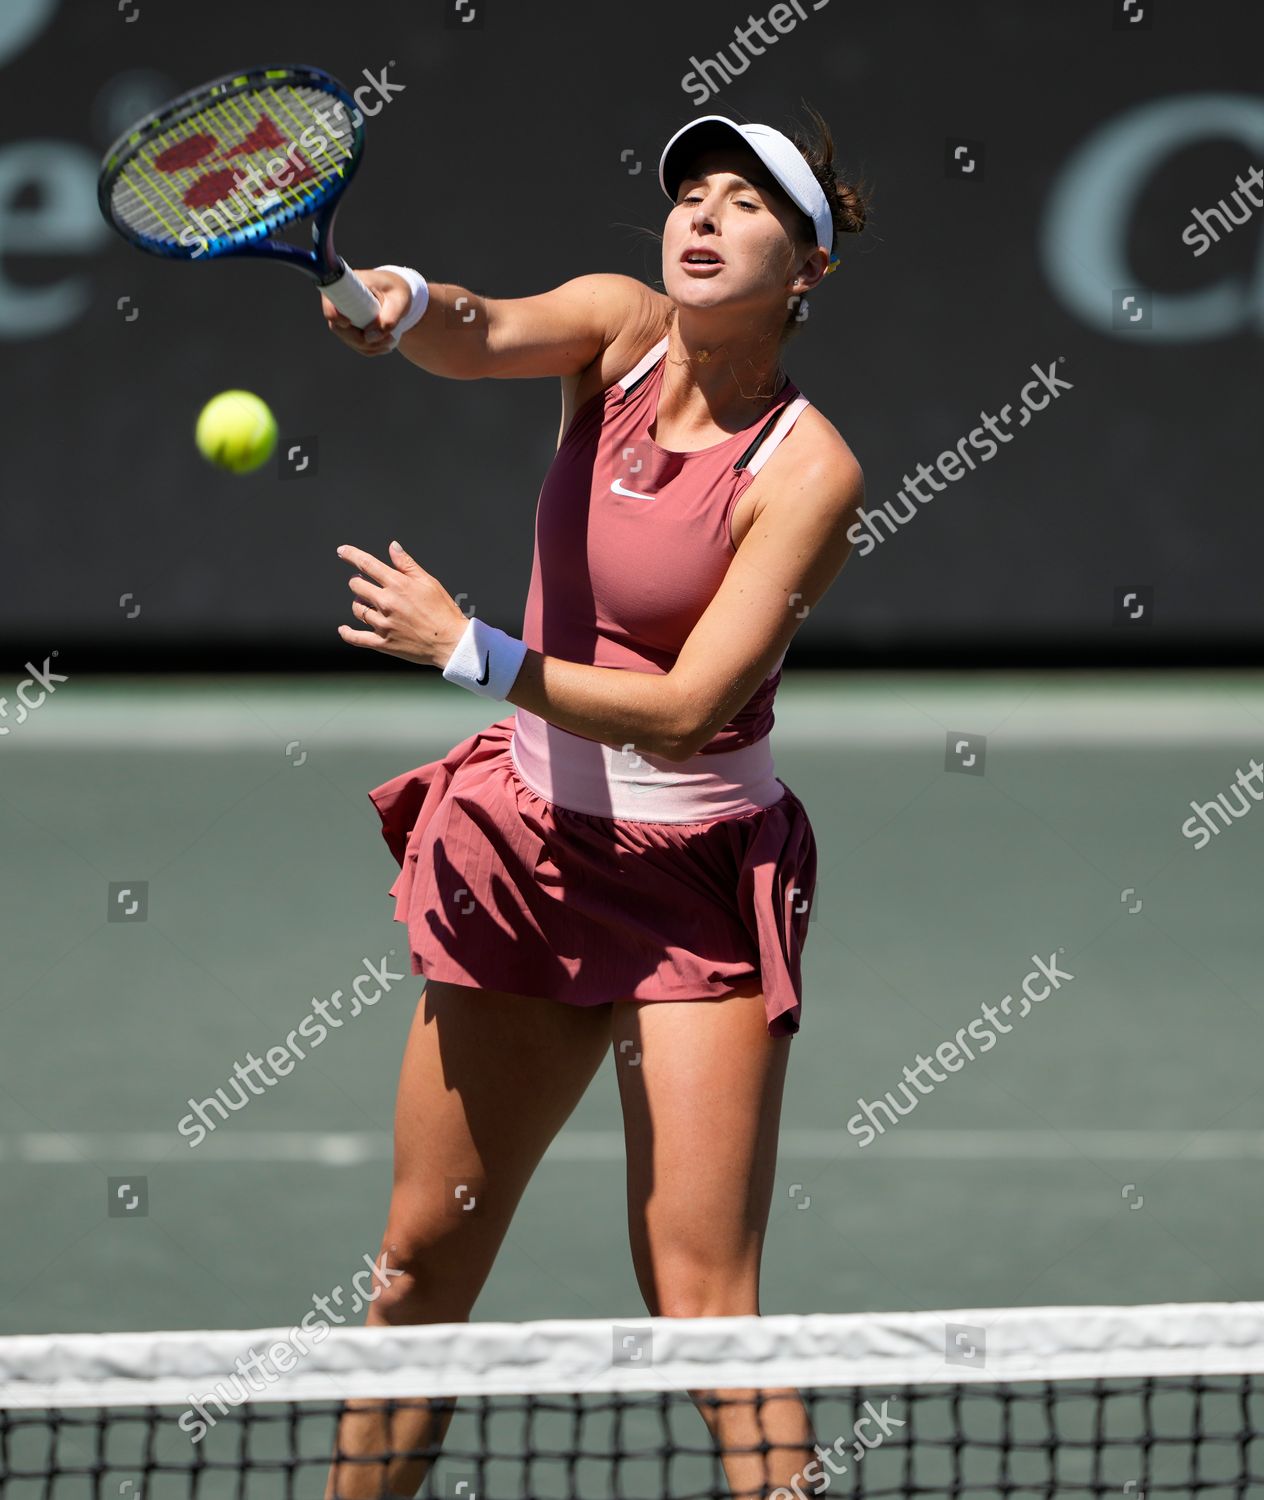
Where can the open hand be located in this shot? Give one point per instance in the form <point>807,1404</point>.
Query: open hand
<point>408,612</point>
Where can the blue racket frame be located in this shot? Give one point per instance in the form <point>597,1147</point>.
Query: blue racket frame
<point>321,261</point>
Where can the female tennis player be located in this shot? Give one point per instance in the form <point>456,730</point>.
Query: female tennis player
<point>615,863</point>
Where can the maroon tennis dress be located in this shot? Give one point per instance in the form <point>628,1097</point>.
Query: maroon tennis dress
<point>541,862</point>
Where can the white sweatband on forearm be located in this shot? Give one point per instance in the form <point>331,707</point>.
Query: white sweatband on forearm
<point>485,660</point>
<point>420,289</point>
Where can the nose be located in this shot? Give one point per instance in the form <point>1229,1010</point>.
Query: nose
<point>703,214</point>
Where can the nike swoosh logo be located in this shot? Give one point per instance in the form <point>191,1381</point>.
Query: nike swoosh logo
<point>619,489</point>
<point>487,664</point>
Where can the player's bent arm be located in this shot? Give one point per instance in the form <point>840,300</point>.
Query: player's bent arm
<point>629,711</point>
<point>561,332</point>
<point>785,563</point>
<point>787,560</point>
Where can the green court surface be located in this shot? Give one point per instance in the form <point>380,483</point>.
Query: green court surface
<point>1108,1148</point>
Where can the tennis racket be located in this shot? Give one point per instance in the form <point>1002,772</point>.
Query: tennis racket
<point>221,169</point>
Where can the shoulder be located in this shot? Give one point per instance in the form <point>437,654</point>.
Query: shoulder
<point>641,317</point>
<point>630,309</point>
<point>814,461</point>
<point>635,318</point>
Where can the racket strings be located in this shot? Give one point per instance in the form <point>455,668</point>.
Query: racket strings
<point>233,130</point>
<point>161,204</point>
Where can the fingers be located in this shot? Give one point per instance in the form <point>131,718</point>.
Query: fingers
<point>369,565</point>
<point>360,637</point>
<point>394,298</point>
<point>368,341</point>
<point>373,618</point>
<point>369,592</point>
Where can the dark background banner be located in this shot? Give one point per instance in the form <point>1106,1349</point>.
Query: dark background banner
<point>1036,169</point>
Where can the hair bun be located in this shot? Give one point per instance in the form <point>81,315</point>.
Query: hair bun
<point>848,202</point>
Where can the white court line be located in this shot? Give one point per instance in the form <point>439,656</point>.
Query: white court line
<point>915,711</point>
<point>354,1148</point>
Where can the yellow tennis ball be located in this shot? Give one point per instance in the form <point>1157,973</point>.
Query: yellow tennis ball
<point>236,431</point>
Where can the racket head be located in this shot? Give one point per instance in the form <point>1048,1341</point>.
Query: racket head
<point>192,178</point>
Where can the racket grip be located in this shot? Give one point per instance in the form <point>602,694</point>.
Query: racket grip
<point>352,298</point>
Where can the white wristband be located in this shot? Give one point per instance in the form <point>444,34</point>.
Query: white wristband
<point>420,299</point>
<point>485,660</point>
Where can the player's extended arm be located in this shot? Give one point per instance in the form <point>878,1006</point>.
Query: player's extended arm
<point>467,337</point>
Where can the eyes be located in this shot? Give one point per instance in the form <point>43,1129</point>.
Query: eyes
<point>741,202</point>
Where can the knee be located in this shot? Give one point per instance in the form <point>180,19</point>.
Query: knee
<point>420,1283</point>
<point>687,1289</point>
<point>704,1303</point>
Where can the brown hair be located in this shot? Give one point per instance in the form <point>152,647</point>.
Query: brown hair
<point>848,201</point>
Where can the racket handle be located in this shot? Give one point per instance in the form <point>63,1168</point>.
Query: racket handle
<point>352,298</point>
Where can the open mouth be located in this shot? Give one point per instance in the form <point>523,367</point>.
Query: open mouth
<point>701,260</point>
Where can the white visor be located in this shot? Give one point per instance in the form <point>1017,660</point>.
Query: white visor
<point>777,152</point>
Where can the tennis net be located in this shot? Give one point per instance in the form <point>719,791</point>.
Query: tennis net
<point>1130,1402</point>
